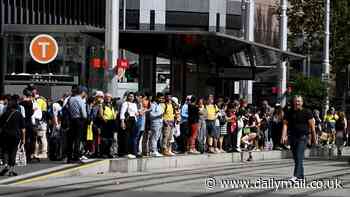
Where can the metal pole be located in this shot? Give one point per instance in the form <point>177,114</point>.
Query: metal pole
<point>243,18</point>
<point>326,66</point>
<point>112,44</point>
<point>283,46</point>
<point>124,24</point>
<point>249,35</point>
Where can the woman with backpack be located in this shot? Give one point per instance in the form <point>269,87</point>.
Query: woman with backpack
<point>12,135</point>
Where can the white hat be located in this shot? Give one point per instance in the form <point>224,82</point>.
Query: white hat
<point>99,93</point>
<point>175,100</point>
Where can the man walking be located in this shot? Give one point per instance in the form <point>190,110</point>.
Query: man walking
<point>298,122</point>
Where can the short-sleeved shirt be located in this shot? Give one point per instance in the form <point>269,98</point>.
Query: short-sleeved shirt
<point>212,111</point>
<point>298,122</point>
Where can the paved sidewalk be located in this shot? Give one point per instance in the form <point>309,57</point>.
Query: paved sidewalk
<point>35,166</point>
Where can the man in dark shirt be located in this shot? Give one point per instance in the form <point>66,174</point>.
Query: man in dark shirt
<point>298,122</point>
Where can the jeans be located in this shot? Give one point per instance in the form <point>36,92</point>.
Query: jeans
<point>298,145</point>
<point>140,129</point>
<point>156,132</point>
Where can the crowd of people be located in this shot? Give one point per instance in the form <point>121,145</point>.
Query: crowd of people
<point>78,126</point>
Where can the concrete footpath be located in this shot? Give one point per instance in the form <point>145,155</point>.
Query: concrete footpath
<point>148,164</point>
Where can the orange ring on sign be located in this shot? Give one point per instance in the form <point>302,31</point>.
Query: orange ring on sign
<point>43,49</point>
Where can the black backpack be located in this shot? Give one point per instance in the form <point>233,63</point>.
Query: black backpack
<point>65,117</point>
<point>222,119</point>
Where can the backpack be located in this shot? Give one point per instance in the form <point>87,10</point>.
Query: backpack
<point>65,117</point>
<point>222,119</point>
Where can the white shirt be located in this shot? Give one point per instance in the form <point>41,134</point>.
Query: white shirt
<point>130,107</point>
<point>37,115</point>
<point>56,107</point>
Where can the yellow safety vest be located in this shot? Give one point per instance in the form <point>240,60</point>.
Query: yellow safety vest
<point>109,113</point>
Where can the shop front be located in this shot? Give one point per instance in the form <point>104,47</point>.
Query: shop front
<point>74,64</point>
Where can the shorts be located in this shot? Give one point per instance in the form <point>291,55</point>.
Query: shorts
<point>213,131</point>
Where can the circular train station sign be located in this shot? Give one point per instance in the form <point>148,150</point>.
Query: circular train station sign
<point>43,49</point>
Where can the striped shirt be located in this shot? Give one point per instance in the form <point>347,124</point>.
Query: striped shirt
<point>77,107</point>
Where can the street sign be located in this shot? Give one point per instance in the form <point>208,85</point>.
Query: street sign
<point>43,49</point>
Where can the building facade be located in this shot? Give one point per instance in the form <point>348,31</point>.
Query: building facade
<point>79,27</point>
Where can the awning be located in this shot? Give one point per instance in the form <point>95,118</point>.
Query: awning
<point>201,47</point>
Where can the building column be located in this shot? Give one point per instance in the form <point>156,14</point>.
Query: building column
<point>147,68</point>
<point>249,15</point>
<point>178,76</point>
<point>112,45</point>
<point>217,15</point>
<point>152,15</point>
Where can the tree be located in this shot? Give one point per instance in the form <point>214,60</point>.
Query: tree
<point>306,22</point>
<point>312,89</point>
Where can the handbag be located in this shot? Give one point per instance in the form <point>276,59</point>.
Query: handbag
<point>89,135</point>
<point>21,159</point>
<point>126,114</point>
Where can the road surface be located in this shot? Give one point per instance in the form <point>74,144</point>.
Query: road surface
<point>256,178</point>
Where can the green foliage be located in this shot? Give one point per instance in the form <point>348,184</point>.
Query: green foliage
<point>312,89</point>
<point>340,28</point>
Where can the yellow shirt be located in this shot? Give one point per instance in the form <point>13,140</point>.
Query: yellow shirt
<point>109,113</point>
<point>42,104</point>
<point>212,111</point>
<point>331,118</point>
<point>169,113</point>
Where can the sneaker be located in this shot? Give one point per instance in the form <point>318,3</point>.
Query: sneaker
<point>12,173</point>
<point>156,154</point>
<point>250,159</point>
<point>83,158</point>
<point>131,156</point>
<point>194,152</point>
<point>293,179</point>
<point>171,153</point>
<point>4,171</point>
<point>238,150</point>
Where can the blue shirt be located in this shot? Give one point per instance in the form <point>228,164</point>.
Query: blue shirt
<point>77,107</point>
<point>184,113</point>
<point>156,114</point>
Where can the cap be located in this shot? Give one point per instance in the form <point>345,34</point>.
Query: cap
<point>99,94</point>
<point>175,100</point>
